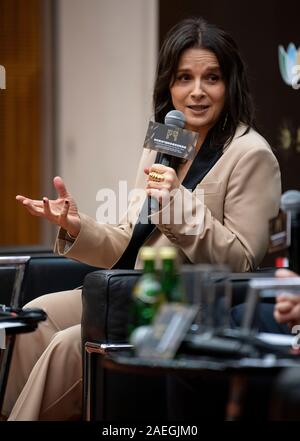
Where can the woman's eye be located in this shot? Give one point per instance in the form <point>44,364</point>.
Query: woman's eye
<point>183,77</point>
<point>213,78</point>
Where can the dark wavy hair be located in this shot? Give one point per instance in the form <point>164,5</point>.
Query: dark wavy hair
<point>197,33</point>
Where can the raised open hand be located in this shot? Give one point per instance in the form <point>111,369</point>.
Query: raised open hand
<point>61,211</point>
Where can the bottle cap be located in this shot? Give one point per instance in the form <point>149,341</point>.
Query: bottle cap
<point>147,253</point>
<point>168,253</point>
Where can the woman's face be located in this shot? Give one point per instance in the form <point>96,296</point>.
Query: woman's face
<point>198,89</point>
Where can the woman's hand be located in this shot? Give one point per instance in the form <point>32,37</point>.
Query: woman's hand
<point>61,211</point>
<point>287,307</point>
<point>162,180</point>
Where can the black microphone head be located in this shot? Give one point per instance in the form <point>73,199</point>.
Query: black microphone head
<point>290,201</point>
<point>175,118</point>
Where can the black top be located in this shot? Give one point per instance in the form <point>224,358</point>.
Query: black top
<point>205,159</point>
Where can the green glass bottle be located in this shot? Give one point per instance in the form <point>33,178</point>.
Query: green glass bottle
<point>147,292</point>
<point>170,280</point>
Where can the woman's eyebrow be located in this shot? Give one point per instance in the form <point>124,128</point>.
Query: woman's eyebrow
<point>212,68</point>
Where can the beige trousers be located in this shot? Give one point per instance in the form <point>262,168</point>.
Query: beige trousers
<point>45,377</point>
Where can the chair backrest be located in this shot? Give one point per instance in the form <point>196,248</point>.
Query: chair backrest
<point>52,273</point>
<point>44,273</point>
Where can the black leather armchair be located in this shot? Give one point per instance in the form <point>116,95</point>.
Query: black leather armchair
<point>108,395</point>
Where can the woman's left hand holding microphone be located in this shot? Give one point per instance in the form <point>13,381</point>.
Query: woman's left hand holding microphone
<point>162,180</point>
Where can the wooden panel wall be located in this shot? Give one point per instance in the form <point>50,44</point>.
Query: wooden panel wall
<point>20,118</point>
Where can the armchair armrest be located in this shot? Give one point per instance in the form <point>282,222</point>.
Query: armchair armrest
<point>105,305</point>
<point>108,395</point>
<point>45,273</point>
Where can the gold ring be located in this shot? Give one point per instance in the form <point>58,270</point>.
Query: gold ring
<point>156,177</point>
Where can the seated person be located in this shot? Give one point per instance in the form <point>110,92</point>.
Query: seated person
<point>200,73</point>
<point>278,318</point>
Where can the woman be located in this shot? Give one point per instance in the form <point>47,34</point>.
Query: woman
<point>200,73</point>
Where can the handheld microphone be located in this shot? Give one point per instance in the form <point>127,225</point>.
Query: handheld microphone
<point>174,118</point>
<point>290,202</point>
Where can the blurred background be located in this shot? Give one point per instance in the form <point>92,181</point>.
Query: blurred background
<point>77,97</point>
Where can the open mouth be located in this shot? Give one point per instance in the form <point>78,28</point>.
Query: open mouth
<point>198,107</point>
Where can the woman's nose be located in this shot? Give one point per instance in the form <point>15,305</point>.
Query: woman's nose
<point>197,91</point>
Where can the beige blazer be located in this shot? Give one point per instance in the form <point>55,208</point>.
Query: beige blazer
<point>233,203</point>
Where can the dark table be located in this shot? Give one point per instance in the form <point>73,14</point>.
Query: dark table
<point>238,369</point>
